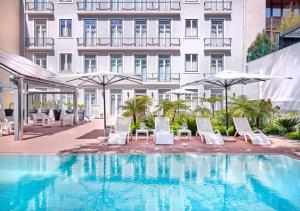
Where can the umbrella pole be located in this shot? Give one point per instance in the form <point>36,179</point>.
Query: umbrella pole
<point>226,108</point>
<point>104,108</point>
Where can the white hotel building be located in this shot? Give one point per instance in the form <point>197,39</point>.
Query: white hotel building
<point>167,43</point>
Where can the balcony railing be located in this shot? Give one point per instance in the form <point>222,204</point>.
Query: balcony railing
<point>129,6</point>
<point>217,6</point>
<point>40,42</point>
<point>39,6</point>
<point>163,77</point>
<point>217,42</point>
<point>128,42</point>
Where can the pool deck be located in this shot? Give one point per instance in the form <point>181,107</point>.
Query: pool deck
<point>82,138</point>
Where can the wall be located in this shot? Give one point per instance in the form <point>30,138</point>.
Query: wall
<point>283,93</point>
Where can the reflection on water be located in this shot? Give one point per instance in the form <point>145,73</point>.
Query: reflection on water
<point>149,182</point>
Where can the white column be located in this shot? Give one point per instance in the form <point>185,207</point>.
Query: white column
<point>18,108</point>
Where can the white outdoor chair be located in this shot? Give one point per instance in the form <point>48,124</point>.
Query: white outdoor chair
<point>42,119</point>
<point>121,131</point>
<point>205,131</point>
<point>67,119</point>
<point>243,129</point>
<point>7,127</point>
<point>162,132</point>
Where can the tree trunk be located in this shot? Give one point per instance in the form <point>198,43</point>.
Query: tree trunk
<point>257,122</point>
<point>213,109</point>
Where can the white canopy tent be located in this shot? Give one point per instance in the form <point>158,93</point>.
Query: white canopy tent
<point>228,78</point>
<point>179,92</point>
<point>99,79</point>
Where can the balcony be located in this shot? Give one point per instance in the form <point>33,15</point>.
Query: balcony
<point>40,44</point>
<point>217,7</point>
<point>141,8</point>
<point>39,8</point>
<point>134,44</point>
<point>217,44</point>
<point>162,78</point>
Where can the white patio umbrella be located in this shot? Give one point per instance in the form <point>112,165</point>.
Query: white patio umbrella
<point>179,92</point>
<point>228,78</point>
<point>100,79</point>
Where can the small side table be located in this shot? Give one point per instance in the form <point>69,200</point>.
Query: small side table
<point>184,131</point>
<point>141,131</point>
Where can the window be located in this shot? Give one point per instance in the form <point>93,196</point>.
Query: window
<point>65,1</point>
<point>140,66</point>
<point>216,63</point>
<point>115,102</point>
<point>191,63</point>
<point>164,33</point>
<point>116,63</point>
<point>217,93</point>
<point>90,63</point>
<point>65,28</point>
<point>162,95</point>
<point>191,28</point>
<point>192,99</point>
<point>140,32</point>
<point>140,92</point>
<point>164,68</point>
<point>116,32</point>
<point>65,61</point>
<point>41,59</point>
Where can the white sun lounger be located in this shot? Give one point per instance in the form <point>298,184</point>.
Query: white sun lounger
<point>243,129</point>
<point>121,131</point>
<point>163,133</point>
<point>205,131</point>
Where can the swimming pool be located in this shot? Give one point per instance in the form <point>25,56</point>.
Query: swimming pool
<point>149,182</point>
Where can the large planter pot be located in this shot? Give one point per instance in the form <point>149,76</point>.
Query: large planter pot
<point>81,114</point>
<point>32,111</point>
<point>9,112</point>
<point>56,114</point>
<point>69,111</point>
<point>45,111</point>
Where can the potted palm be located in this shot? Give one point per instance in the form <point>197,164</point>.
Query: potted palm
<point>45,107</point>
<point>69,107</point>
<point>57,109</point>
<point>81,111</point>
<point>34,108</point>
<point>10,110</point>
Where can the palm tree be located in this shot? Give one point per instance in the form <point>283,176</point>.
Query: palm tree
<point>212,101</point>
<point>165,106</point>
<point>179,105</point>
<point>136,107</point>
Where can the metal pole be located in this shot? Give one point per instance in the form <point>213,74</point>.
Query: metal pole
<point>226,107</point>
<point>75,100</point>
<point>18,108</point>
<point>104,106</point>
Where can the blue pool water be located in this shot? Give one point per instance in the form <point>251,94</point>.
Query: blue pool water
<point>149,182</point>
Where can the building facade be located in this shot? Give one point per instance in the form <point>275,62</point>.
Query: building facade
<point>166,43</point>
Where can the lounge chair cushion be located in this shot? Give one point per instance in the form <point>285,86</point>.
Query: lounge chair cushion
<point>213,138</point>
<point>163,137</point>
<point>118,138</point>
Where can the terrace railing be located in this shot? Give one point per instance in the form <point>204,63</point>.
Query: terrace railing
<point>128,42</point>
<point>129,6</point>
<point>40,42</point>
<point>163,77</point>
<point>39,6</point>
<point>217,6</point>
<point>217,42</point>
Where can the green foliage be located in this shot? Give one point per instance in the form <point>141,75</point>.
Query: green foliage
<point>272,129</point>
<point>202,111</point>
<point>69,105</point>
<point>288,124</point>
<point>175,126</point>
<point>165,106</point>
<point>11,105</point>
<point>212,101</point>
<point>81,106</point>
<point>56,104</point>
<point>191,123</point>
<point>45,104</point>
<point>34,105</point>
<point>223,130</point>
<point>261,46</point>
<point>149,121</point>
<point>293,135</point>
<point>290,20</point>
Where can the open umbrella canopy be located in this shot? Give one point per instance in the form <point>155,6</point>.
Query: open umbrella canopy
<point>229,78</point>
<point>99,79</point>
<point>180,92</point>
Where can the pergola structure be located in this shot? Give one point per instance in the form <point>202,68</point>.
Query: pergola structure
<point>20,74</point>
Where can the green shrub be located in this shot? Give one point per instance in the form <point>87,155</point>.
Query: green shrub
<point>223,130</point>
<point>191,123</point>
<point>288,123</point>
<point>135,127</point>
<point>175,127</point>
<point>272,129</point>
<point>149,121</point>
<point>293,135</point>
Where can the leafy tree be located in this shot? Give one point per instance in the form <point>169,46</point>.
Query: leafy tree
<point>261,46</point>
<point>289,21</point>
<point>179,105</point>
<point>136,107</point>
<point>212,101</point>
<point>165,106</point>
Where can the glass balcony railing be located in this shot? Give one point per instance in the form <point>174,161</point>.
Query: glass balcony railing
<point>39,6</point>
<point>128,42</point>
<point>45,42</point>
<point>217,42</point>
<point>129,6</point>
<point>217,6</point>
